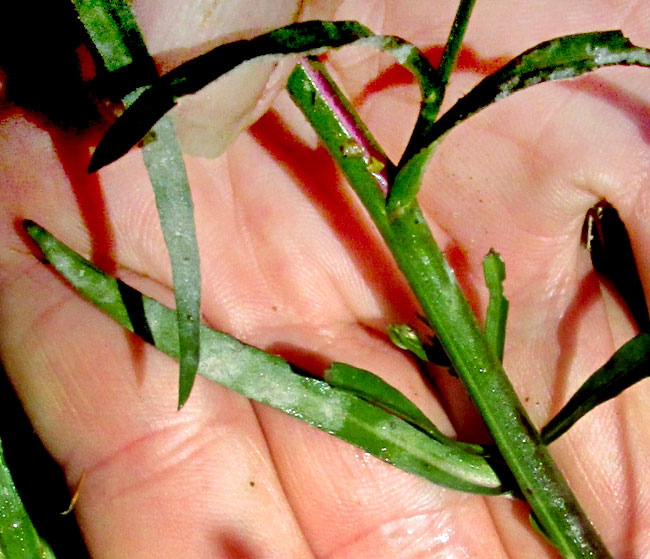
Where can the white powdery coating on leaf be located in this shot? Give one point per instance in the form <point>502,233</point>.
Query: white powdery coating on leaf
<point>561,74</point>
<point>269,380</point>
<point>507,87</point>
<point>402,53</point>
<point>534,81</point>
<point>603,56</point>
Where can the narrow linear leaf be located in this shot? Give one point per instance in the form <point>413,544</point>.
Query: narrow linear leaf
<point>408,180</point>
<point>324,105</point>
<point>494,271</point>
<point>418,151</point>
<point>18,538</point>
<point>629,365</point>
<point>114,31</point>
<point>608,243</point>
<point>310,37</point>
<point>539,528</point>
<point>270,380</point>
<point>557,59</point>
<point>454,42</point>
<point>377,391</point>
<point>115,34</point>
<point>166,168</point>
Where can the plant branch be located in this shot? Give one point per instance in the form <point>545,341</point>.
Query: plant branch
<point>434,284</point>
<point>429,111</point>
<point>454,42</point>
<point>270,380</point>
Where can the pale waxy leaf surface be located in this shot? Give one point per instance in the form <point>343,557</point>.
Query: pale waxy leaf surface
<point>271,380</point>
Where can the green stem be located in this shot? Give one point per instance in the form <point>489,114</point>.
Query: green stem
<point>434,284</point>
<point>455,41</point>
<point>430,110</point>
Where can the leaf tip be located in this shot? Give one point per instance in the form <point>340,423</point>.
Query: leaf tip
<point>186,382</point>
<point>106,152</point>
<point>31,227</point>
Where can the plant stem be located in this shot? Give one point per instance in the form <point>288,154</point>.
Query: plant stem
<point>427,117</point>
<point>433,281</point>
<point>454,42</point>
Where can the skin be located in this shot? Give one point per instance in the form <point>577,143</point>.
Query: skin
<point>286,268</point>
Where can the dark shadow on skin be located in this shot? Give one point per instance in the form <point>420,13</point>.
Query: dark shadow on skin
<point>587,294</point>
<point>73,151</point>
<point>134,304</point>
<point>395,75</point>
<point>39,55</point>
<point>231,545</point>
<point>38,478</point>
<point>316,173</point>
<point>303,361</point>
<point>141,335</point>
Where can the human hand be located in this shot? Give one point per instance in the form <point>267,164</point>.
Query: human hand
<point>291,264</point>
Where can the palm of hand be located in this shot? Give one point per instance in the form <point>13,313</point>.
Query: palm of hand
<point>290,263</point>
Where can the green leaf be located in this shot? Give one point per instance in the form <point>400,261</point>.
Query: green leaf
<point>166,168</point>
<point>115,34</point>
<point>557,59</point>
<point>418,151</point>
<point>114,31</point>
<point>404,337</point>
<point>494,271</point>
<point>408,180</point>
<point>561,58</point>
<point>377,391</point>
<point>18,538</point>
<point>629,365</point>
<point>608,243</point>
<point>310,37</point>
<point>270,380</point>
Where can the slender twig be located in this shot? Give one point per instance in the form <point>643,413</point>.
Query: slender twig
<point>447,63</point>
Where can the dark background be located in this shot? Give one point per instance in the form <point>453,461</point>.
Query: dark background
<point>41,52</point>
